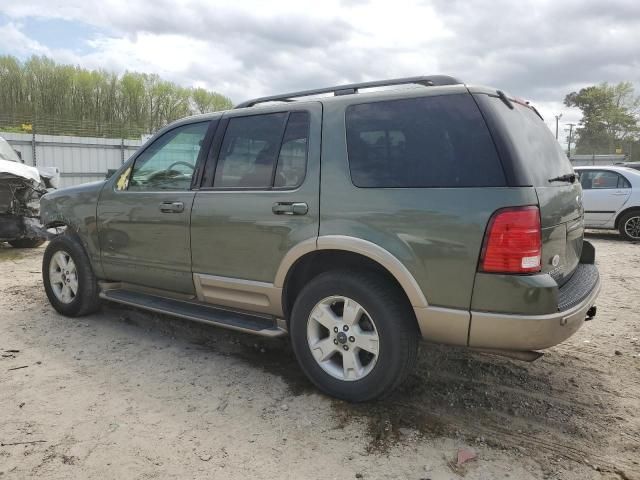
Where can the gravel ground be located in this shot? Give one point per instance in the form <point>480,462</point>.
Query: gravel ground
<point>128,394</point>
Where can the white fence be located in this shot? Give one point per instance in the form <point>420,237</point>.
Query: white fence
<point>79,159</point>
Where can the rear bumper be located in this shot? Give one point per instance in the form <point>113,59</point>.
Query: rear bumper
<point>532,332</point>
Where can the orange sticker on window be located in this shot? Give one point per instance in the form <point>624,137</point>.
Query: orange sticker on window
<point>123,181</point>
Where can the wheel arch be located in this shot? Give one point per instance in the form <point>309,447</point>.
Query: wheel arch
<point>623,213</point>
<point>316,256</point>
<point>73,230</point>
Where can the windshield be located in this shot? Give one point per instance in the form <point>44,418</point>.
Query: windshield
<point>541,155</point>
<point>6,152</point>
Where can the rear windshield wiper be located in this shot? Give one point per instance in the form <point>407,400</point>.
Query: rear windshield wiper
<point>567,177</point>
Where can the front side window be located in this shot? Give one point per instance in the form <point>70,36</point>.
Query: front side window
<point>264,151</point>
<point>439,141</point>
<point>169,162</point>
<point>602,179</point>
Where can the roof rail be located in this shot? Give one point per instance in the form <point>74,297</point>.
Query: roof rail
<point>427,81</point>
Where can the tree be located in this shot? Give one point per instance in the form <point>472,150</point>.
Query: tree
<point>205,101</point>
<point>63,99</point>
<point>609,117</point>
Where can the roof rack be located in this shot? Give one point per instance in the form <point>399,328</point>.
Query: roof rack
<point>427,81</point>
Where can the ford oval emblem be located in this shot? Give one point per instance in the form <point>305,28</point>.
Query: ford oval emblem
<point>555,261</point>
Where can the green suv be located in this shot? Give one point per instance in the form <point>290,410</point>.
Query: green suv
<point>355,219</point>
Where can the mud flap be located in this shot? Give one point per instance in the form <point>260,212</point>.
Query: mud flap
<point>588,254</point>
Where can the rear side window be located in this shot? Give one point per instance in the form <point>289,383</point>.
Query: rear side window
<point>249,151</point>
<point>264,151</point>
<point>438,141</point>
<point>602,179</point>
<point>292,162</point>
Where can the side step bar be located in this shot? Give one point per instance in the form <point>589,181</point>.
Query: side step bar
<point>258,325</point>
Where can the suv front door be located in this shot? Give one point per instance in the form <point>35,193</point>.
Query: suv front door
<point>259,198</point>
<point>143,215</point>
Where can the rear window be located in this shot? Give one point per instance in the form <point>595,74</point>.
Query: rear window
<point>540,154</point>
<point>438,141</point>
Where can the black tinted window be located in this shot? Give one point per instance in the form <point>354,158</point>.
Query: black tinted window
<point>540,154</point>
<point>254,146</point>
<point>421,142</point>
<point>292,162</point>
<point>249,151</point>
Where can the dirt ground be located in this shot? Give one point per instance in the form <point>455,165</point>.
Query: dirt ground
<point>127,394</point>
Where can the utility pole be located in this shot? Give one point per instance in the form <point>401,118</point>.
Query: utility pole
<point>571,125</point>
<point>558,117</point>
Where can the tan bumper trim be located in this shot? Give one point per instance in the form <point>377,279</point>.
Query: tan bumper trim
<point>528,332</point>
<point>443,325</point>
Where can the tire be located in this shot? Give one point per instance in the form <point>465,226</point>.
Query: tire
<point>26,242</point>
<point>629,226</point>
<point>85,299</point>
<point>385,313</point>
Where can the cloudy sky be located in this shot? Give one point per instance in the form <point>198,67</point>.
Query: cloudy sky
<point>539,50</point>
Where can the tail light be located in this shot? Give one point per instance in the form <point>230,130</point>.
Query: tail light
<point>513,241</point>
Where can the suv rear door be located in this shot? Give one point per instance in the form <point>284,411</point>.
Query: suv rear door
<point>259,197</point>
<point>533,157</point>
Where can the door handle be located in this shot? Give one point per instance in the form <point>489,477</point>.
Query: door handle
<point>619,194</point>
<point>172,207</point>
<point>290,208</point>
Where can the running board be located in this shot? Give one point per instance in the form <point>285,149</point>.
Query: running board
<point>198,312</point>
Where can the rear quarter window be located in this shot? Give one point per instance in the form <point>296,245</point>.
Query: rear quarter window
<point>439,141</point>
<point>540,156</point>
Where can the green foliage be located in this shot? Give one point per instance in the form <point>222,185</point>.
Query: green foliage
<point>609,118</point>
<point>68,100</point>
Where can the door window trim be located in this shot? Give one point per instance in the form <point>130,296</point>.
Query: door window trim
<point>209,170</point>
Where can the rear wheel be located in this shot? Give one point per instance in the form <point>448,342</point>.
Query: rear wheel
<point>354,335</point>
<point>629,225</point>
<point>26,242</point>
<point>69,281</point>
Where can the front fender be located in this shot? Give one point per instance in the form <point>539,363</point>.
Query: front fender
<point>75,208</point>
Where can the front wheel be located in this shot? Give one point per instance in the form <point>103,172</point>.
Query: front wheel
<point>354,335</point>
<point>629,226</point>
<point>69,281</point>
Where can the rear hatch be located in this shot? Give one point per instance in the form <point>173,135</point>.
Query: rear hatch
<point>540,162</point>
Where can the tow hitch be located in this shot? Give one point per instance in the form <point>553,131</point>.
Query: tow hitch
<point>591,313</point>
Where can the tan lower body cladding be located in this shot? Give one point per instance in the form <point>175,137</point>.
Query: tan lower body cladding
<point>247,295</point>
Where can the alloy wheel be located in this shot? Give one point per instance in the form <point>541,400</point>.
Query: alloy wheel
<point>343,338</point>
<point>63,277</point>
<point>632,227</point>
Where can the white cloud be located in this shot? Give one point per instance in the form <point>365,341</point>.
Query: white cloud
<point>539,50</point>
<point>11,34</point>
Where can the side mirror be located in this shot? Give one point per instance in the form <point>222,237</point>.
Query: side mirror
<point>110,173</point>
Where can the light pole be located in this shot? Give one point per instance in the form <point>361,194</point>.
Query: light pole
<point>571,125</point>
<point>558,117</point>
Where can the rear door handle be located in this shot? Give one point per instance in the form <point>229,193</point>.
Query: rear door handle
<point>172,207</point>
<point>290,208</point>
<point>619,194</point>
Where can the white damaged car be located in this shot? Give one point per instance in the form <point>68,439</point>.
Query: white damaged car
<point>21,187</point>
